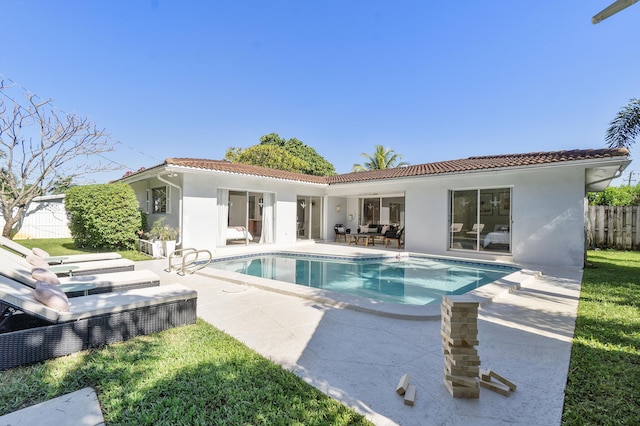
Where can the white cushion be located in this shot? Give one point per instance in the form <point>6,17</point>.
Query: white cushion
<point>36,261</point>
<point>40,253</point>
<point>52,296</point>
<point>341,230</point>
<point>44,275</point>
<point>385,228</point>
<point>363,228</point>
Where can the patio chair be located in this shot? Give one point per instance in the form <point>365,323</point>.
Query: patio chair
<point>85,284</point>
<point>71,269</point>
<point>394,235</point>
<point>31,331</point>
<point>476,229</point>
<point>456,227</point>
<point>341,231</point>
<point>54,260</point>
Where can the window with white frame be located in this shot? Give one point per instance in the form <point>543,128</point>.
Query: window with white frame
<point>480,220</point>
<point>159,200</point>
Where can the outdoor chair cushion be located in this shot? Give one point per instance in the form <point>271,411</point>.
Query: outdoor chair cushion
<point>45,275</point>
<point>40,253</point>
<point>36,261</point>
<point>52,296</point>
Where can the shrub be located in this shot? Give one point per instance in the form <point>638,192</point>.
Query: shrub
<point>103,216</point>
<point>616,196</point>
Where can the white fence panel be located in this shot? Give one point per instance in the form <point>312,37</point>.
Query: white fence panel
<point>46,217</point>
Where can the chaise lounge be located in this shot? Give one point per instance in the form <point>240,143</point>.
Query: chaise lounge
<point>71,269</point>
<point>82,284</point>
<point>31,331</point>
<point>54,260</point>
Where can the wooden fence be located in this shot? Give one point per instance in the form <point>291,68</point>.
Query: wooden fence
<point>614,227</point>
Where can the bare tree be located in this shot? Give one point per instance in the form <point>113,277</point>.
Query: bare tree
<point>40,148</point>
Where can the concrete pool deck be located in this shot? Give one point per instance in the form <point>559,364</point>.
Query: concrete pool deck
<point>358,358</point>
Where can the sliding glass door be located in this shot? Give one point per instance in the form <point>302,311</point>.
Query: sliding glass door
<point>481,220</point>
<point>309,217</point>
<point>382,210</point>
<point>245,217</point>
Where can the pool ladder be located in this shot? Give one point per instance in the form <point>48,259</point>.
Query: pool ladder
<point>191,261</point>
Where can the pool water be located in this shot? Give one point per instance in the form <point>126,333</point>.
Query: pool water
<point>408,280</point>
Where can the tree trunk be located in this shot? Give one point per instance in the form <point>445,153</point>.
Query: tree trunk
<point>10,221</point>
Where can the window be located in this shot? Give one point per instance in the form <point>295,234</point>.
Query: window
<point>481,220</point>
<point>382,210</point>
<point>159,200</point>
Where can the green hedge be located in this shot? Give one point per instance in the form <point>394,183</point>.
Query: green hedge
<point>103,216</point>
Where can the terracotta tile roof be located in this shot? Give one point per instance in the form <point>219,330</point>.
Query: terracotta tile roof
<point>440,167</point>
<point>243,169</point>
<point>479,163</point>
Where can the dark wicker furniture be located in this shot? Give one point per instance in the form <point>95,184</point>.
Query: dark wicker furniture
<point>31,332</point>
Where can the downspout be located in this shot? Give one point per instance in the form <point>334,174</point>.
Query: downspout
<point>179,204</point>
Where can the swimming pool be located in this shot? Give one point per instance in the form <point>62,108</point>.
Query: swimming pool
<point>405,281</point>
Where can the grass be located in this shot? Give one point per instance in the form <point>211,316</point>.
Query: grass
<point>65,246</point>
<point>195,375</point>
<point>188,375</point>
<point>604,373</point>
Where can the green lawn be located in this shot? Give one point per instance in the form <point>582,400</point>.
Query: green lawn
<point>188,375</point>
<point>604,375</point>
<point>65,246</point>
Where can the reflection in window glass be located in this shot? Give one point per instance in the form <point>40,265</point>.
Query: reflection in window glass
<point>481,220</point>
<point>159,199</point>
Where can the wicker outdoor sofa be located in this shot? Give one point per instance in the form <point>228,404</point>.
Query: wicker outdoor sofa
<point>32,332</point>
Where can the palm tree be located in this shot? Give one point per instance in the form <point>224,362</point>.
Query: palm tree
<point>624,129</point>
<point>382,158</point>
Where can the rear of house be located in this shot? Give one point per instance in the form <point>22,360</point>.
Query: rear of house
<point>522,208</point>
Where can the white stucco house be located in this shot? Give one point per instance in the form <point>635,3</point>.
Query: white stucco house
<point>524,208</point>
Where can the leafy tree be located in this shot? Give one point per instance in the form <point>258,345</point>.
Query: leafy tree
<point>42,150</point>
<point>624,129</point>
<point>103,215</point>
<point>317,165</point>
<point>309,161</point>
<point>616,196</point>
<point>271,156</point>
<point>382,158</point>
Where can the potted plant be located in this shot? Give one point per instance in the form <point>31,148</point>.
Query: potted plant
<point>165,235</point>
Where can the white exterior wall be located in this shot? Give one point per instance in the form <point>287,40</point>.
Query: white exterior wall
<point>200,211</point>
<point>547,208</point>
<point>550,218</point>
<point>547,212</point>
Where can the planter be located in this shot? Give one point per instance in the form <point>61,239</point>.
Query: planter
<point>168,247</point>
<point>153,248</point>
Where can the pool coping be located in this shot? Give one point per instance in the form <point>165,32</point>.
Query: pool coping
<point>483,295</point>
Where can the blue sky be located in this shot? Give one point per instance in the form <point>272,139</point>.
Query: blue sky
<point>431,80</point>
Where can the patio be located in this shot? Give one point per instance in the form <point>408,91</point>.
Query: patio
<point>358,358</point>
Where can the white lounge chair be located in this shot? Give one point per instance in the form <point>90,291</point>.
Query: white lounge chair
<point>83,284</point>
<point>72,269</point>
<point>54,260</point>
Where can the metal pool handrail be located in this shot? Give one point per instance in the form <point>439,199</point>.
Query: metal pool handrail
<point>190,260</point>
